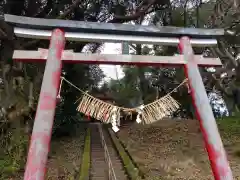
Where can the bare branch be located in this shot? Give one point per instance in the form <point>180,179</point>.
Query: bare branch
<point>141,10</point>
<point>62,16</point>
<point>70,9</point>
<point>228,54</point>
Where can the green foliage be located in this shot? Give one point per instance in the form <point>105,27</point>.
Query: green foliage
<point>177,17</point>
<point>126,91</point>
<point>230,131</point>
<point>158,81</point>
<point>13,153</point>
<point>230,125</point>
<point>85,77</point>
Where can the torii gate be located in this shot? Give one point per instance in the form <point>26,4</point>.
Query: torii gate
<point>59,30</point>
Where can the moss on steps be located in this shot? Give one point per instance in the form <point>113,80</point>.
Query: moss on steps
<point>85,165</point>
<point>131,169</point>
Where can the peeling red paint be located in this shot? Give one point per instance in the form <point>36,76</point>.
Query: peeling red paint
<point>205,137</point>
<point>58,43</point>
<point>69,56</point>
<point>36,156</point>
<point>47,101</point>
<point>217,157</point>
<point>55,79</point>
<point>43,54</point>
<point>42,130</point>
<point>220,166</point>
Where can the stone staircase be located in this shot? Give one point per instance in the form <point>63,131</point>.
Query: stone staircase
<point>116,161</point>
<point>99,167</point>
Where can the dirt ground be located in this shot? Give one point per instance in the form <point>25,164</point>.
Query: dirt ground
<point>174,150</point>
<point>65,156</point>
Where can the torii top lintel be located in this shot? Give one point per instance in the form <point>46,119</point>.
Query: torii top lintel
<point>110,28</point>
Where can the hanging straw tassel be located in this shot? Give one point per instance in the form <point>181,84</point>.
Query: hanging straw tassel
<point>109,113</point>
<point>59,91</point>
<point>155,111</point>
<point>188,87</point>
<point>98,109</point>
<point>102,111</point>
<point>147,114</point>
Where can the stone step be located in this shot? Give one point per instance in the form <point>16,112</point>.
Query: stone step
<point>99,167</point>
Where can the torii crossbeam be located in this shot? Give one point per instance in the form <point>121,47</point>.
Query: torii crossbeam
<point>113,59</point>
<point>59,30</point>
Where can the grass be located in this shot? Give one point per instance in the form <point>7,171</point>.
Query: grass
<point>13,152</point>
<point>230,130</point>
<point>230,124</point>
<point>85,165</point>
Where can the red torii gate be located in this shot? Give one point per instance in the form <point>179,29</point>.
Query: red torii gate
<point>59,30</point>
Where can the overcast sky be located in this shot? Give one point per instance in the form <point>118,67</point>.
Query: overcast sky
<point>116,48</point>
<point>110,70</point>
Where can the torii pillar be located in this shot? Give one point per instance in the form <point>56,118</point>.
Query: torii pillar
<point>42,129</point>
<point>213,142</point>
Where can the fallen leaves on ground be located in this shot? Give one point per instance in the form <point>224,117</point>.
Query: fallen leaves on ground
<point>174,150</point>
<point>65,156</point>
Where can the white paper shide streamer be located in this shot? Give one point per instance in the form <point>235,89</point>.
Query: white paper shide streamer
<point>114,120</point>
<point>139,111</point>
